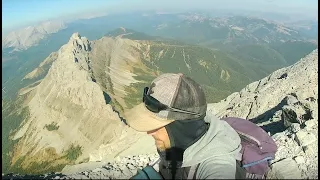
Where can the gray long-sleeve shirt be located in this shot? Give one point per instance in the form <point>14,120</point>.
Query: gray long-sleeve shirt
<point>216,151</point>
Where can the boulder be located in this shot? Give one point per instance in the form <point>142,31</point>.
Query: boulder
<point>295,127</point>
<point>299,159</point>
<point>305,138</point>
<point>310,124</point>
<point>285,169</point>
<point>290,114</point>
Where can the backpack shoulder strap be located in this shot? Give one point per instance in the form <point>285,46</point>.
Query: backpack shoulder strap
<point>192,172</point>
<point>240,171</point>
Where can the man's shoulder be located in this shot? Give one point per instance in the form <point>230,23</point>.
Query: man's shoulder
<point>223,160</point>
<point>217,167</point>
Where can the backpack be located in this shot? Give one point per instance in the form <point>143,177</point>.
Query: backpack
<point>258,148</point>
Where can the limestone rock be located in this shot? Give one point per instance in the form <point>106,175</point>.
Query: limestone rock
<point>299,159</point>
<point>305,138</point>
<point>289,116</point>
<point>285,169</point>
<point>310,124</point>
<point>295,127</point>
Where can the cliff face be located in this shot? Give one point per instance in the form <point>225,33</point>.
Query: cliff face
<point>68,112</point>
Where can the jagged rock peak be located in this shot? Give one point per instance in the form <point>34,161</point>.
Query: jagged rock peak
<point>79,43</point>
<point>75,36</point>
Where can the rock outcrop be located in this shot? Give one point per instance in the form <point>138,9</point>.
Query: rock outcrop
<point>261,99</point>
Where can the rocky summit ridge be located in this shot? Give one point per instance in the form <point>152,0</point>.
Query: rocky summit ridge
<point>68,111</point>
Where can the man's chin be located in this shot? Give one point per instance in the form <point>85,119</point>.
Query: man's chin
<point>160,149</point>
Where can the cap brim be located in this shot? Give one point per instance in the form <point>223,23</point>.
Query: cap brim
<point>143,120</point>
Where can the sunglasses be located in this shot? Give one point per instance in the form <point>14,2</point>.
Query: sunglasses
<point>156,106</point>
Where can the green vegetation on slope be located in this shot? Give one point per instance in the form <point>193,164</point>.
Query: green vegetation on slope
<point>55,163</point>
<point>292,51</point>
<point>73,152</point>
<point>266,58</point>
<point>51,127</point>
<point>12,117</point>
<point>135,91</point>
<point>210,68</point>
<point>37,168</point>
<point>219,73</point>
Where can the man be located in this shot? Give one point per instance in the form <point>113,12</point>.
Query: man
<point>191,143</point>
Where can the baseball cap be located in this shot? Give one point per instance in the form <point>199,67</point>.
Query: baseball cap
<point>175,91</point>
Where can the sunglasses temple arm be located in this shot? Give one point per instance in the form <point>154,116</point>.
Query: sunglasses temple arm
<point>183,111</point>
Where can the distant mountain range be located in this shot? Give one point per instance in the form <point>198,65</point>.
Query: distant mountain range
<point>30,36</point>
<point>235,29</point>
<point>193,27</point>
<point>306,28</point>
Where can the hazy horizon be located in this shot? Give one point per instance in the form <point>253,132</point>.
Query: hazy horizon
<point>19,13</point>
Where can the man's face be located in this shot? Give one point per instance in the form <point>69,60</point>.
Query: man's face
<point>161,138</point>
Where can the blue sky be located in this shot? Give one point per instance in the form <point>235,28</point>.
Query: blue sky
<point>17,13</point>
<point>23,12</point>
